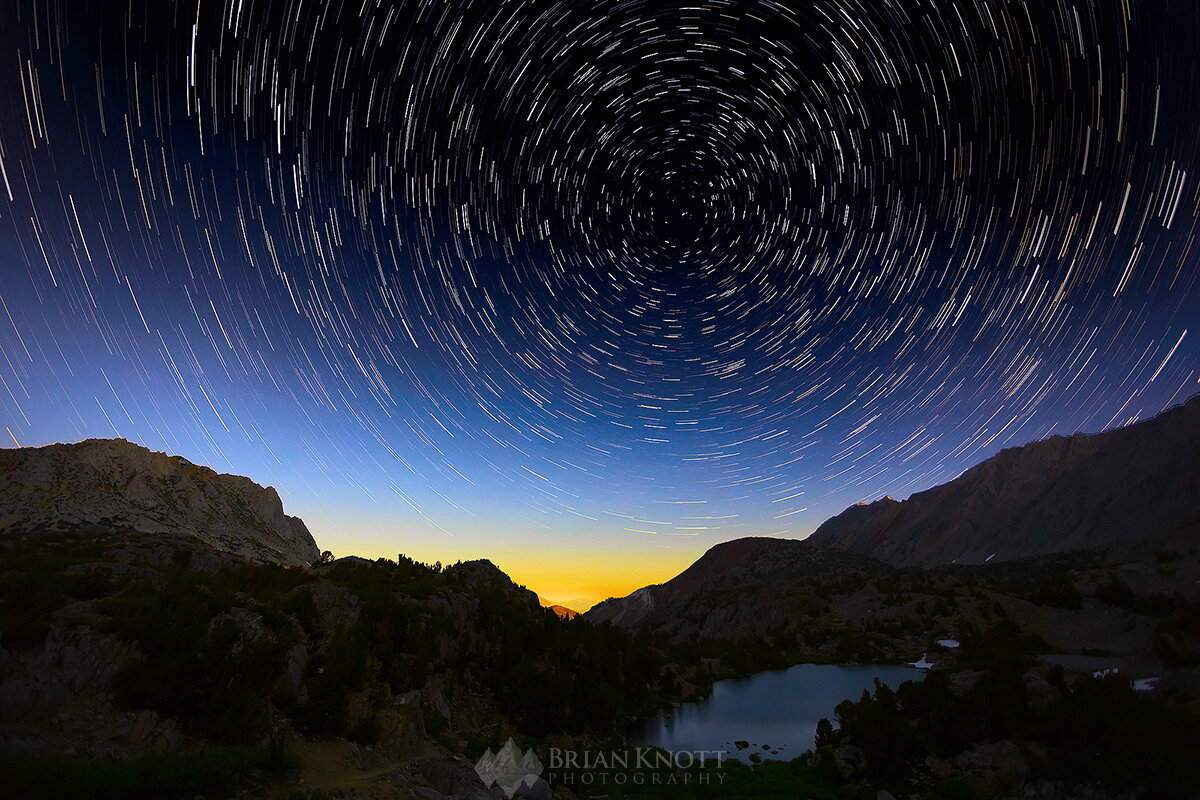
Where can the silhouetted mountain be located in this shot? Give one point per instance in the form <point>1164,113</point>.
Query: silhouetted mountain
<point>1056,495</point>
<point>113,483</point>
<point>736,589</point>
<point>1134,491</point>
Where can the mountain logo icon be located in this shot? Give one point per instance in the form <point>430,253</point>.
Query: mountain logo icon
<point>509,768</point>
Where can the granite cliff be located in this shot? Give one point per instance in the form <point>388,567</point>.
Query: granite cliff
<point>104,484</point>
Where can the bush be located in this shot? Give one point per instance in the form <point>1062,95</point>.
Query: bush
<point>1104,730</point>
<point>1097,730</point>
<point>1001,648</point>
<point>1056,590</point>
<point>211,676</point>
<point>36,582</point>
<point>877,726</point>
<point>161,776</point>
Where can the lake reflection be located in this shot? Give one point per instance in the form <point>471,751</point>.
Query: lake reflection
<point>776,712</point>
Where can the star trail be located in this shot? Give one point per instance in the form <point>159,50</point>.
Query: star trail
<point>594,284</point>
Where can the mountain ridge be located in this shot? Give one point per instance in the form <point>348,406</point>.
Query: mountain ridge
<point>1058,494</point>
<point>1062,494</point>
<point>769,578</point>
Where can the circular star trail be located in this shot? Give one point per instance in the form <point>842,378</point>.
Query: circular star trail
<point>699,269</point>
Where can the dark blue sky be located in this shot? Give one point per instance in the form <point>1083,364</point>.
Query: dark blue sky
<point>593,286</point>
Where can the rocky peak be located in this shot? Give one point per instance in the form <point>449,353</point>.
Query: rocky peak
<point>114,482</point>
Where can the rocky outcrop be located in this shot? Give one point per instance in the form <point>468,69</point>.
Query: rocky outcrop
<point>100,484</point>
<point>1056,495</point>
<point>54,699</point>
<point>481,574</point>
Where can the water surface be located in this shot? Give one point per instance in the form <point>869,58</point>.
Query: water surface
<point>775,712</point>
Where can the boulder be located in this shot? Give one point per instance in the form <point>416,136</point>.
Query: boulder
<point>401,731</point>
<point>297,662</point>
<point>446,776</point>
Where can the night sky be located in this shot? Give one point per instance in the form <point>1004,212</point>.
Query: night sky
<point>588,287</point>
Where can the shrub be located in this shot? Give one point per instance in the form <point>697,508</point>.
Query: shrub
<point>1056,590</point>
<point>162,776</point>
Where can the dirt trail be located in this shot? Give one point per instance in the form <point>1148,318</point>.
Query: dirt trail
<point>329,766</point>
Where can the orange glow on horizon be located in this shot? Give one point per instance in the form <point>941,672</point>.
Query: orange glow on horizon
<point>596,579</point>
<point>568,573</point>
